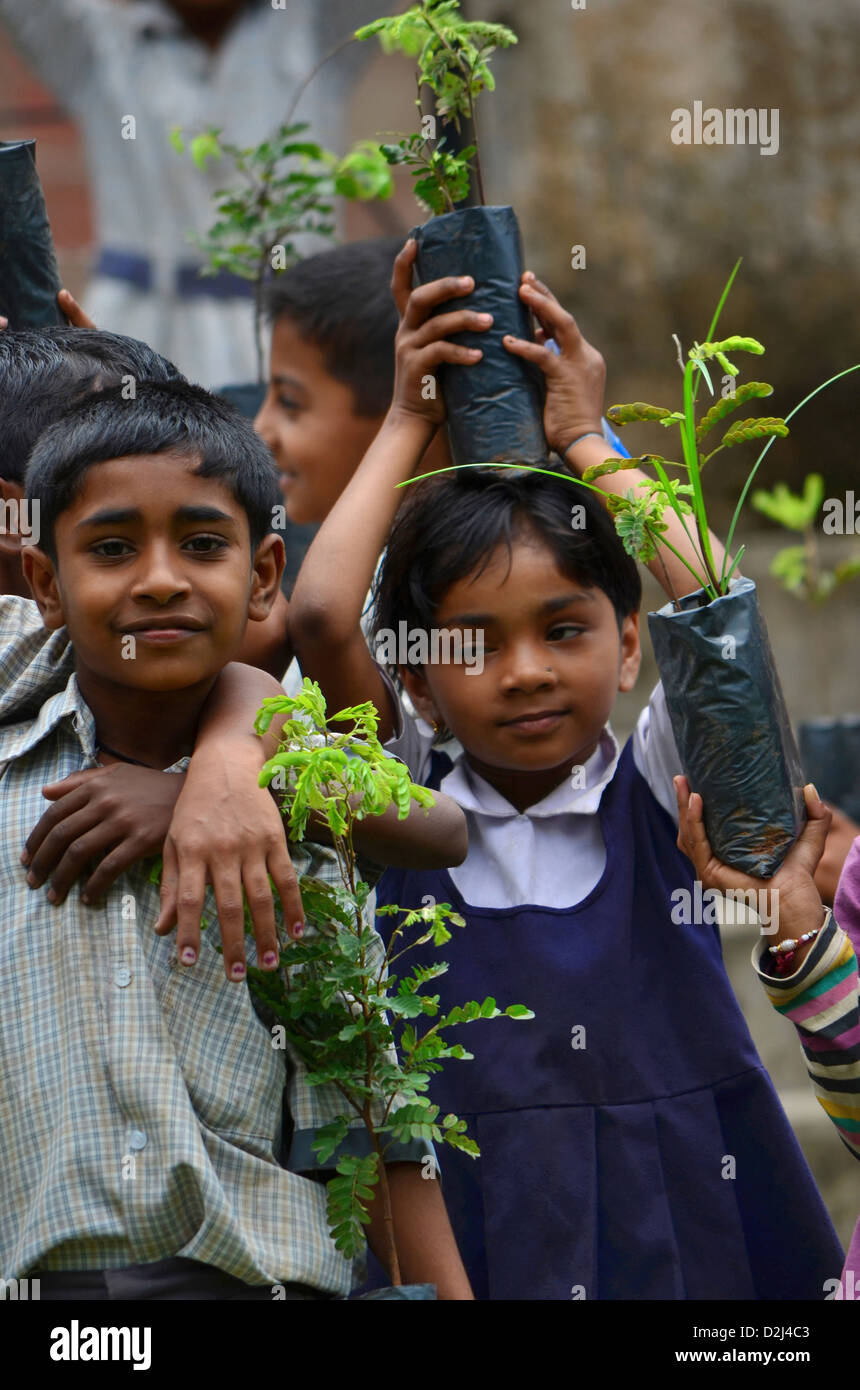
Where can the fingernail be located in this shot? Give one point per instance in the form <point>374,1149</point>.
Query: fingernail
<point>31,879</point>
<point>485,318</point>
<point>237,971</point>
<point>270,959</point>
<point>52,896</point>
<point>85,900</point>
<point>465,279</point>
<point>25,858</point>
<point>188,955</point>
<point>815,791</point>
<point>298,929</point>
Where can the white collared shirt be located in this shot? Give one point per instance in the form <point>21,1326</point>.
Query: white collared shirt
<point>552,854</point>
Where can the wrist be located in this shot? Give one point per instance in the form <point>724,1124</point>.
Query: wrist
<point>409,424</point>
<point>798,910</point>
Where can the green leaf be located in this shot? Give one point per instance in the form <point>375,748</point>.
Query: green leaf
<point>797,512</point>
<point>205,147</point>
<point>176,140</point>
<point>765,427</point>
<point>750,390</point>
<point>518,1011</point>
<point>639,410</point>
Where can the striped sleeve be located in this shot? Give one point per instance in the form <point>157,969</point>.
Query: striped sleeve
<point>822,1000</point>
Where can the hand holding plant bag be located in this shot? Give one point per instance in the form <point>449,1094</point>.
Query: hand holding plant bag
<point>494,410</point>
<point>722,689</point>
<point>335,997</point>
<point>29,275</point>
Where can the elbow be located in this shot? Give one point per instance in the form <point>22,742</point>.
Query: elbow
<point>314,624</point>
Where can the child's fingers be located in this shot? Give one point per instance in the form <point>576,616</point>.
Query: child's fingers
<point>553,318</point>
<point>538,353</point>
<point>401,275</point>
<point>283,874</point>
<point>261,905</point>
<point>167,889</point>
<point>446,325</point>
<point>44,840</point>
<point>692,837</point>
<point>227,887</point>
<point>809,847</point>
<point>73,311</point>
<point>52,791</point>
<point>425,298</point>
<point>436,353</point>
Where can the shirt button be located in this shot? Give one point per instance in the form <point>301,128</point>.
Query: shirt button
<point>137,1139</point>
<point>122,976</point>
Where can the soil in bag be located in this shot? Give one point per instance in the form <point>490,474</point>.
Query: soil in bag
<point>29,274</point>
<point>731,726</point>
<point>495,407</point>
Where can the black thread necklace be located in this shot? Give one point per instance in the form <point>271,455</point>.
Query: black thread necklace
<point>124,758</point>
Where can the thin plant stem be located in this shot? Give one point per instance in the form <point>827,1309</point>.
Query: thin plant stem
<point>306,82</point>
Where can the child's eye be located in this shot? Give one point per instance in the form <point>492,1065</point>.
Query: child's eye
<point>111,549</point>
<point>287,403</point>
<point>562,631</point>
<point>205,545</point>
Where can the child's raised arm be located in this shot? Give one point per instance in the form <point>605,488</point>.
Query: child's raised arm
<point>575,383</point>
<point>329,594</point>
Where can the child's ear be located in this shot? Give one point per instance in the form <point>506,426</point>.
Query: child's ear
<point>41,575</point>
<point>269,560</point>
<point>416,687</point>
<point>631,652</point>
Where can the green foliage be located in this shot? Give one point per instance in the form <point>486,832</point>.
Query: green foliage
<point>639,512</point>
<point>285,188</point>
<point>344,1009</point>
<point>452,57</point>
<point>798,567</point>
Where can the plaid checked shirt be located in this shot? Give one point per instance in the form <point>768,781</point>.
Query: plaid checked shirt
<point>140,1101</point>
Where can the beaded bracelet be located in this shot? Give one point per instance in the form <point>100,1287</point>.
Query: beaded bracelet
<point>785,951</point>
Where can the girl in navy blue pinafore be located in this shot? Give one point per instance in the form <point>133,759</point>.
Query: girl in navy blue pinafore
<point>632,1144</point>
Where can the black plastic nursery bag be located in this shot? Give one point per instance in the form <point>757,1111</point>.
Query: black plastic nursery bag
<point>29,275</point>
<point>495,408</point>
<point>731,725</point>
<point>830,752</point>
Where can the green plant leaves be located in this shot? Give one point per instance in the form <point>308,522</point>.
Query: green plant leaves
<point>763,427</point>
<point>748,391</point>
<point>796,511</point>
<point>639,410</point>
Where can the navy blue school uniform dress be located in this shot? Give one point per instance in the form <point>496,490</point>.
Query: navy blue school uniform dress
<point>632,1144</point>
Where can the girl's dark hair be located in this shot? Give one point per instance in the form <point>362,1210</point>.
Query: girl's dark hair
<point>162,417</point>
<point>449,527</point>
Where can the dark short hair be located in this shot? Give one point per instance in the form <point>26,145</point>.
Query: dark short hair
<point>449,526</point>
<point>44,372</point>
<point>163,416</point>
<point>340,301</point>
